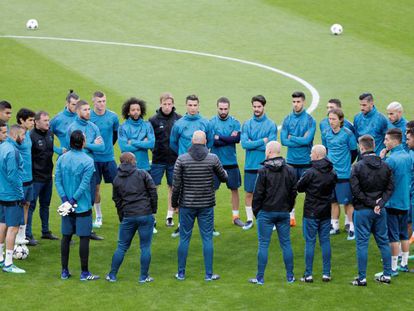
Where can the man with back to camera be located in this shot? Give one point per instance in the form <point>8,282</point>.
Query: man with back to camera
<point>93,143</point>
<point>135,197</point>
<point>273,199</point>
<point>107,121</point>
<point>226,131</point>
<point>194,195</point>
<point>298,131</point>
<point>398,205</point>
<point>256,133</point>
<point>342,151</point>
<point>74,171</point>
<point>42,169</point>
<point>370,121</point>
<point>396,120</point>
<point>372,185</point>
<point>318,183</point>
<point>60,123</point>
<point>11,193</point>
<point>183,130</point>
<point>163,157</point>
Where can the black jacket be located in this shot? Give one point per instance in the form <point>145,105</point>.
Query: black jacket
<point>134,192</point>
<point>162,124</point>
<point>371,179</point>
<point>42,155</point>
<point>318,183</point>
<point>193,184</point>
<point>275,189</point>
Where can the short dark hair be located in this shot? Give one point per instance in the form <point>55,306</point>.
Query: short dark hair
<point>259,98</point>
<point>39,114</point>
<point>336,101</point>
<point>192,97</point>
<point>134,101</point>
<point>367,141</point>
<point>223,100</point>
<point>366,96</point>
<point>395,134</point>
<point>76,140</point>
<point>410,125</point>
<point>298,94</point>
<point>4,104</point>
<point>24,114</point>
<point>3,123</point>
<point>410,131</point>
<point>98,94</point>
<point>339,113</point>
<point>80,104</point>
<point>71,95</point>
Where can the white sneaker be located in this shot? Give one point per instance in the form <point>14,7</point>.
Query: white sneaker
<point>154,230</point>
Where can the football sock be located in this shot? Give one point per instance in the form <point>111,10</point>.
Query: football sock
<point>335,224</point>
<point>9,257</point>
<point>170,214</point>
<point>22,232</point>
<point>346,220</point>
<point>84,252</point>
<point>235,214</point>
<point>249,213</point>
<point>98,211</point>
<point>394,262</point>
<point>292,214</point>
<point>1,252</point>
<point>404,258</point>
<point>351,226</point>
<point>64,250</point>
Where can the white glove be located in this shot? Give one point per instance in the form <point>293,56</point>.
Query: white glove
<point>65,209</point>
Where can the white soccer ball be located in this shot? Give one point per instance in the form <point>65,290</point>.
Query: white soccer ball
<point>32,24</point>
<point>21,251</point>
<point>336,29</point>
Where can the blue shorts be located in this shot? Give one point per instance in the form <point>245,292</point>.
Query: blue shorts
<point>157,172</point>
<point>342,193</point>
<point>79,224</point>
<point>12,216</point>
<point>249,181</point>
<point>107,170</point>
<point>28,193</point>
<point>234,179</point>
<point>397,226</point>
<point>410,214</point>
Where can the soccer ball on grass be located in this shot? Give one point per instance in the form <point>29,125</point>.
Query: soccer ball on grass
<point>21,251</point>
<point>32,24</point>
<point>336,29</point>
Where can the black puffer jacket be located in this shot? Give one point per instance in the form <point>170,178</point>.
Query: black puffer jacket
<point>42,155</point>
<point>371,179</point>
<point>193,185</point>
<point>318,183</point>
<point>162,124</point>
<point>275,189</point>
<point>134,192</point>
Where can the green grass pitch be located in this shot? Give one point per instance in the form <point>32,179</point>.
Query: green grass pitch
<point>375,53</point>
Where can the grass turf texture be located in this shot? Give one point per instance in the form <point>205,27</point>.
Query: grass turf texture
<point>374,54</point>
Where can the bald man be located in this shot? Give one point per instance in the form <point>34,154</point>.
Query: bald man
<point>273,199</point>
<point>318,183</point>
<point>193,193</point>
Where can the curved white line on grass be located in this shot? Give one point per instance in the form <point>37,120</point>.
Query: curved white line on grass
<point>314,92</point>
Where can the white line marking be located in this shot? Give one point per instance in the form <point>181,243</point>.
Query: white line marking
<point>314,92</point>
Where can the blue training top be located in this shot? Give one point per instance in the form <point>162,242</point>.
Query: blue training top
<point>183,130</point>
<point>402,125</point>
<point>373,123</point>
<point>339,147</point>
<point>298,131</point>
<point>25,149</point>
<point>74,171</point>
<point>401,164</point>
<point>59,126</point>
<point>253,132</point>
<point>324,126</point>
<point>137,137</point>
<point>11,172</point>
<point>108,123</point>
<point>411,153</point>
<point>225,146</point>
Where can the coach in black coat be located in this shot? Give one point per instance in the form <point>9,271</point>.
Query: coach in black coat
<point>193,192</point>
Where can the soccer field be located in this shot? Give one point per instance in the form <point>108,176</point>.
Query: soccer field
<point>135,48</point>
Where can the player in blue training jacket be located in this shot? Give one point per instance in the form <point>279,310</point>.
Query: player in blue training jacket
<point>399,204</point>
<point>298,131</point>
<point>370,122</point>
<point>135,134</point>
<point>410,146</point>
<point>342,151</point>
<point>11,193</point>
<point>324,124</point>
<point>256,133</point>
<point>107,121</point>
<point>74,171</point>
<point>396,120</point>
<point>60,123</point>
<point>226,131</point>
